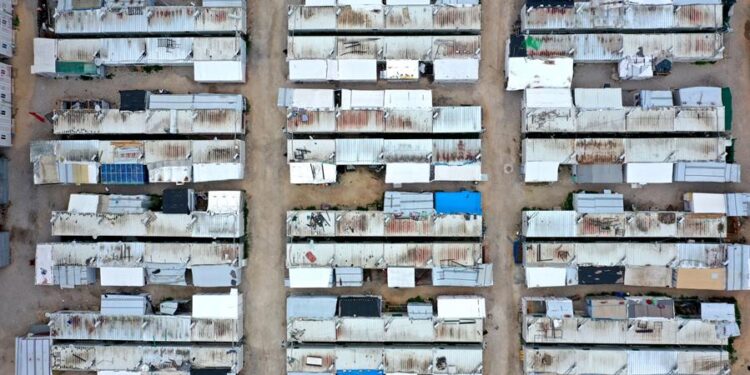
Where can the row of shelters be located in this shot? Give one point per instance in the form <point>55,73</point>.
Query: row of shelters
<point>564,248</point>
<point>200,335</point>
<point>178,213</point>
<point>367,41</point>
<point>623,16</point>
<point>107,18</point>
<point>353,334</point>
<point>213,59</point>
<point>445,58</point>
<point>645,38</point>
<point>320,124</point>
<point>152,114</point>
<point>418,239</point>
<point>582,129</point>
<point>627,335</point>
<point>137,162</point>
<point>394,17</point>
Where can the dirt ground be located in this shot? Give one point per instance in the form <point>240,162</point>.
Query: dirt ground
<point>271,195</point>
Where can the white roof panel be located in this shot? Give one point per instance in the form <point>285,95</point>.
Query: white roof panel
<point>522,73</point>
<point>401,277</point>
<point>407,173</point>
<point>311,277</point>
<point>122,276</point>
<point>218,306</point>
<point>460,307</point>
<point>648,173</point>
<point>547,98</point>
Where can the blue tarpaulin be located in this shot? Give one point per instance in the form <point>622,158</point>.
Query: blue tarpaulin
<point>123,174</point>
<point>360,372</point>
<point>461,202</point>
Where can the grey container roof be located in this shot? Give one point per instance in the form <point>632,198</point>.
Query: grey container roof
<point>598,174</point>
<point>598,203</point>
<point>706,172</point>
<point>312,307</point>
<point>122,304</point>
<point>33,356</point>
<point>216,275</point>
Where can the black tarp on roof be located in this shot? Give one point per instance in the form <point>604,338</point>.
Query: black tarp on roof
<point>133,100</point>
<point>176,201</point>
<point>549,3</point>
<point>368,307</point>
<point>589,275</point>
<point>517,46</point>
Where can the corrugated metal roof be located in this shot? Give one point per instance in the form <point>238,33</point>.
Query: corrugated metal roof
<point>632,16</point>
<point>379,18</point>
<point>94,55</point>
<point>167,161</point>
<point>113,121</point>
<point>608,48</point>
<point>588,360</point>
<point>151,20</point>
<point>627,150</point>
<point>383,48</point>
<point>738,267</point>
<point>546,224</point>
<point>95,357</point>
<point>378,224</point>
<point>465,359</point>
<point>67,325</point>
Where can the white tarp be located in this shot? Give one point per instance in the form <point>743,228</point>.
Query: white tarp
<point>122,276</point>
<point>401,70</point>
<point>407,173</point>
<point>217,306</point>
<point>540,171</point>
<point>311,277</point>
<point>467,172</point>
<point>401,277</point>
<point>456,70</point>
<point>541,277</point>
<point>460,307</point>
<point>219,71</point>
<point>83,203</point>
<point>523,73</point>
<point>547,98</point>
<point>648,173</point>
<point>706,203</point>
<point>312,173</point>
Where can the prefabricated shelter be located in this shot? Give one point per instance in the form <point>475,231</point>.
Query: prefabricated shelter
<point>545,17</point>
<point>613,48</point>
<point>137,162</point>
<point>642,160</point>
<point>602,111</point>
<point>318,319</point>
<point>584,360</point>
<point>158,114</point>
<point>639,224</point>
<point>391,359</point>
<point>223,218</point>
<point>140,263</point>
<point>323,111</point>
<point>405,160</point>
<point>213,59</point>
<point>131,358</point>
<point>215,318</point>
<point>626,321</point>
<point>709,266</point>
<point>377,224</point>
<point>356,58</point>
<point>111,19</point>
